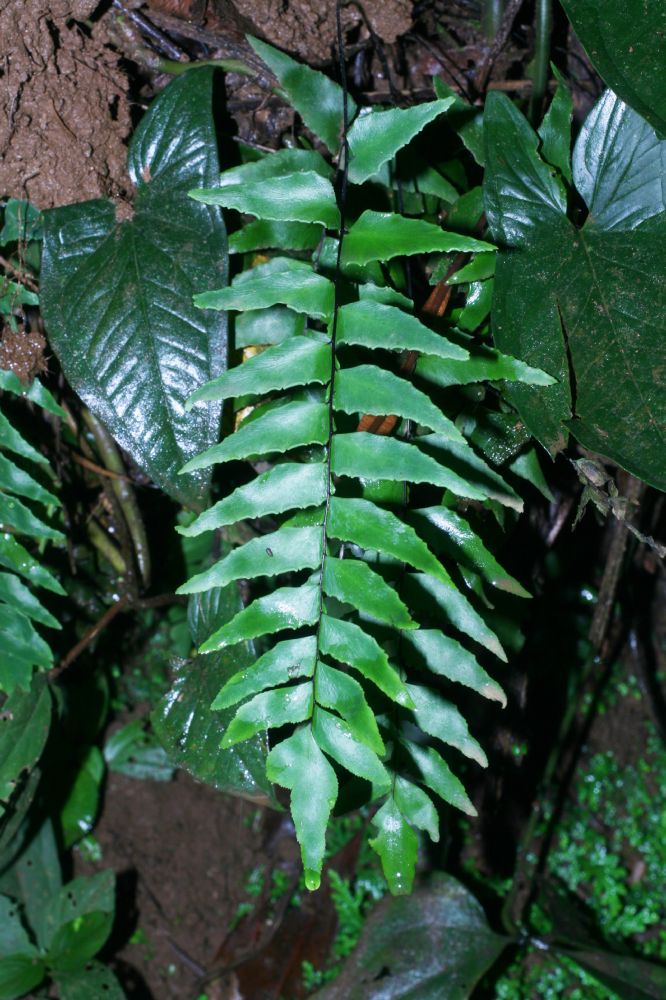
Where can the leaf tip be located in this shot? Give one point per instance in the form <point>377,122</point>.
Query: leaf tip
<point>312,879</point>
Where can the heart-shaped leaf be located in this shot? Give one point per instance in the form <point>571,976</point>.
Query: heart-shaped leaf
<point>587,305</point>
<point>117,295</point>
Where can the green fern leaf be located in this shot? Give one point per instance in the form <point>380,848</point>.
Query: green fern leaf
<point>282,281</point>
<point>297,361</point>
<point>285,608</point>
<point>345,695</point>
<point>270,710</point>
<point>353,580</point>
<point>337,739</point>
<point>416,806</point>
<point>376,136</point>
<point>298,764</point>
<point>355,583</point>
<point>266,234</point>
<point>305,196</point>
<point>439,777</point>
<point>383,236</point>
<point>369,389</point>
<point>273,492</point>
<point>283,551</point>
<point>277,430</point>
<point>378,325</point>
<point>397,846</point>
<point>286,661</point>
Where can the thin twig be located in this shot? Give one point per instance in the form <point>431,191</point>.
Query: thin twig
<point>100,470</point>
<point>21,276</point>
<point>124,603</point>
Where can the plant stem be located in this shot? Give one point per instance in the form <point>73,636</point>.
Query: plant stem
<point>492,17</point>
<point>124,492</point>
<point>543,24</point>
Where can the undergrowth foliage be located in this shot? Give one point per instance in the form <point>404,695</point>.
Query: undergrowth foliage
<point>23,648</point>
<point>349,621</point>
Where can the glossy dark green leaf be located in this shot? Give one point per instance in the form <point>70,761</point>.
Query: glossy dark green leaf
<point>305,196</point>
<point>397,846</point>
<point>286,661</point>
<point>317,99</point>
<point>349,644</point>
<point>454,537</point>
<point>24,727</point>
<point>284,551</point>
<point>337,690</point>
<point>555,129</point>
<point>79,812</point>
<point>187,727</point>
<point>383,235</point>
<point>376,136</point>
<point>433,945</point>
<point>618,166</point>
<point>338,740</point>
<point>368,389</point>
<point>264,234</point>
<point>94,982</point>
<point>520,190</point>
<point>371,527</point>
<point>432,650</point>
<point>625,44</point>
<point>270,710</point>
<point>377,325</point>
<point>276,430</point>
<point>354,582</point>
<point>297,361</point>
<point>388,458</point>
<point>602,306</point>
<point>282,281</point>
<point>299,765</point>
<point>280,488</point>
<point>438,776</point>
<point>416,806</point>
<point>116,297</point>
<point>441,719</point>
<point>285,608</point>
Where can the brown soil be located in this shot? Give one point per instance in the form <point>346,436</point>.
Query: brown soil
<point>63,106</point>
<point>307,27</point>
<point>181,852</point>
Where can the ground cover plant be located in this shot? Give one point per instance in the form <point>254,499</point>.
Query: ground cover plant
<point>431,333</point>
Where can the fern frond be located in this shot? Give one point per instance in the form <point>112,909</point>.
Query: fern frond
<point>360,592</point>
<point>24,649</point>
